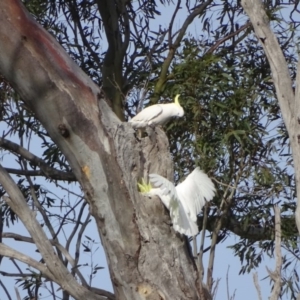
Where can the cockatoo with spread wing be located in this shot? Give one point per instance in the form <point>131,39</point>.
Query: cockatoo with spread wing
<point>157,114</point>
<point>184,201</point>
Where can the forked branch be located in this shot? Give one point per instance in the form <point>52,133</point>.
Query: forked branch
<point>54,267</point>
<point>45,170</point>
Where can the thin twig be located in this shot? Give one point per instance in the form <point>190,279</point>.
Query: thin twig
<point>16,265</point>
<point>69,240</point>
<point>42,211</point>
<point>15,274</point>
<point>172,22</point>
<point>11,253</point>
<point>215,288</point>
<point>78,242</point>
<point>5,290</point>
<point>226,199</point>
<point>66,176</point>
<point>224,184</point>
<point>17,294</point>
<point>52,289</point>
<point>38,162</point>
<point>255,279</point>
<point>227,37</point>
<point>227,283</point>
<point>276,275</point>
<point>201,251</point>
<point>63,250</point>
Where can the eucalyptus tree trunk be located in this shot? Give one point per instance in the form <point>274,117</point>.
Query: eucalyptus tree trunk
<point>146,259</point>
<point>289,101</point>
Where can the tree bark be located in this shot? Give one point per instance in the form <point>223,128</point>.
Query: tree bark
<point>146,259</point>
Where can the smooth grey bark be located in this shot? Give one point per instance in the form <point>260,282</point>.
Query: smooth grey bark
<point>145,256</point>
<point>288,101</point>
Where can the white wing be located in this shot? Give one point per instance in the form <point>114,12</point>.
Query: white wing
<point>181,221</point>
<point>166,187</point>
<point>157,114</point>
<point>168,195</point>
<point>193,192</point>
<point>146,115</point>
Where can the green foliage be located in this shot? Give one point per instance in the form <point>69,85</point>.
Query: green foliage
<point>31,283</point>
<point>232,129</point>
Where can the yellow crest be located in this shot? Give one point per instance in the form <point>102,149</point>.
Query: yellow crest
<point>176,99</point>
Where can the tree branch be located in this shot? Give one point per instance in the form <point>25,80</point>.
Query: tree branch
<point>45,169</point>
<point>63,250</point>
<point>255,279</point>
<point>201,249</point>
<point>78,242</point>
<point>65,217</point>
<point>276,275</point>
<point>109,295</point>
<point>111,14</point>
<point>227,199</point>
<point>11,253</point>
<point>289,104</point>
<point>18,294</point>
<point>76,20</point>
<point>42,212</point>
<point>65,177</point>
<point>254,231</point>
<point>15,274</point>
<point>173,47</point>
<point>5,290</point>
<point>280,72</point>
<point>58,271</point>
<point>67,255</point>
<point>170,36</point>
<point>227,37</point>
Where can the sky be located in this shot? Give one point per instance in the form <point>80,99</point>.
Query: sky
<point>225,262</point>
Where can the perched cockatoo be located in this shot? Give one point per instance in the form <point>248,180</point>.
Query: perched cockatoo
<point>184,201</point>
<point>157,114</point>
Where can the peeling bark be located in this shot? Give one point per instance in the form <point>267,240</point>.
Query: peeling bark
<point>146,257</point>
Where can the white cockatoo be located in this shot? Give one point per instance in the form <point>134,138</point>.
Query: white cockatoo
<point>157,114</point>
<point>184,201</point>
